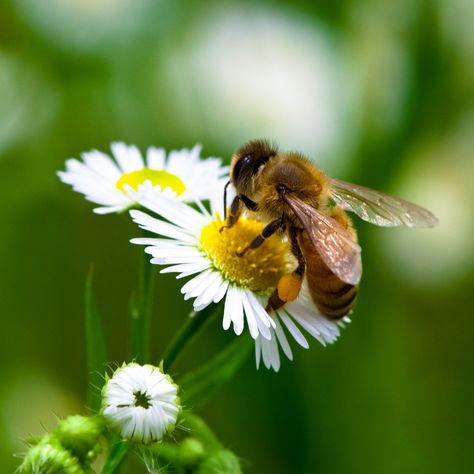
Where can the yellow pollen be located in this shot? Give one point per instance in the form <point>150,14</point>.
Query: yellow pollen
<point>258,269</point>
<point>289,287</point>
<point>157,177</point>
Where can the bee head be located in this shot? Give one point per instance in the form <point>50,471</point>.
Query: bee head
<point>248,161</point>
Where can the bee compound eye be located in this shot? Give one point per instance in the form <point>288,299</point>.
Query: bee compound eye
<point>241,166</point>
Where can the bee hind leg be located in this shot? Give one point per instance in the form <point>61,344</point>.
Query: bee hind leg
<point>289,285</point>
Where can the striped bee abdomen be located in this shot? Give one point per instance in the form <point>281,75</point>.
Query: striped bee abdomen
<point>333,297</point>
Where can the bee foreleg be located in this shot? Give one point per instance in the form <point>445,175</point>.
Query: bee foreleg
<point>225,199</point>
<point>252,205</point>
<point>267,231</point>
<point>234,213</point>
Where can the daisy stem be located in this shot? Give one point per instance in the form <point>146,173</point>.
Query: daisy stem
<point>187,332</point>
<point>141,313</point>
<point>118,450</point>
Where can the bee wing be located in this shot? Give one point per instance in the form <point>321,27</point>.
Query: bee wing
<point>330,239</point>
<point>379,208</point>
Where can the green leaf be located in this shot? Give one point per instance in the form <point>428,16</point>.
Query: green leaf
<point>95,347</point>
<point>117,453</point>
<point>197,386</point>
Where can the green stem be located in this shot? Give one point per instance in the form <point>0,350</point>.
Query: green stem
<point>187,332</point>
<point>142,312</point>
<point>95,347</point>
<point>117,452</point>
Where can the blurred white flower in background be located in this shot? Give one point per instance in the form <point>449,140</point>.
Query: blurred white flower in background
<point>24,93</point>
<point>380,70</point>
<point>440,176</point>
<point>85,24</point>
<point>261,73</point>
<point>456,26</point>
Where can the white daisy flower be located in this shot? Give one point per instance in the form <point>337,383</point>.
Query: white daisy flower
<point>190,244</point>
<point>141,403</point>
<point>118,184</point>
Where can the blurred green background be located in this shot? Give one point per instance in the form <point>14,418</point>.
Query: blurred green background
<point>376,92</point>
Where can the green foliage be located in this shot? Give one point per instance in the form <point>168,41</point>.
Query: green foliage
<point>194,323</point>
<point>223,461</point>
<point>200,384</point>
<point>117,451</point>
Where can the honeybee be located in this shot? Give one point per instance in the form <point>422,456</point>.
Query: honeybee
<point>297,198</point>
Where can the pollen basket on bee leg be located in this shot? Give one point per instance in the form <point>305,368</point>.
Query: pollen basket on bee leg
<point>289,287</point>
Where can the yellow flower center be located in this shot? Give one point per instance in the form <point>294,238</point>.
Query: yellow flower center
<point>157,177</point>
<point>258,269</point>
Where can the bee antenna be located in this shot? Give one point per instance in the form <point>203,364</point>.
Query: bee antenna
<point>225,199</point>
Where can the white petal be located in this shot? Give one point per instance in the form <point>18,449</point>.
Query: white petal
<point>249,315</point>
<point>102,164</point>
<point>294,331</point>
<point>283,341</point>
<point>221,291</point>
<point>258,351</point>
<point>109,209</point>
<point>175,212</point>
<point>160,227</point>
<point>274,355</point>
<point>128,157</point>
<point>155,158</point>
<point>266,353</point>
<point>187,269</point>
<point>236,310</point>
<point>207,295</point>
<point>195,282</point>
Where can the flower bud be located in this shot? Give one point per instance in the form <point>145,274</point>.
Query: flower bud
<point>80,434</point>
<point>49,457</point>
<point>141,403</point>
<point>191,452</point>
